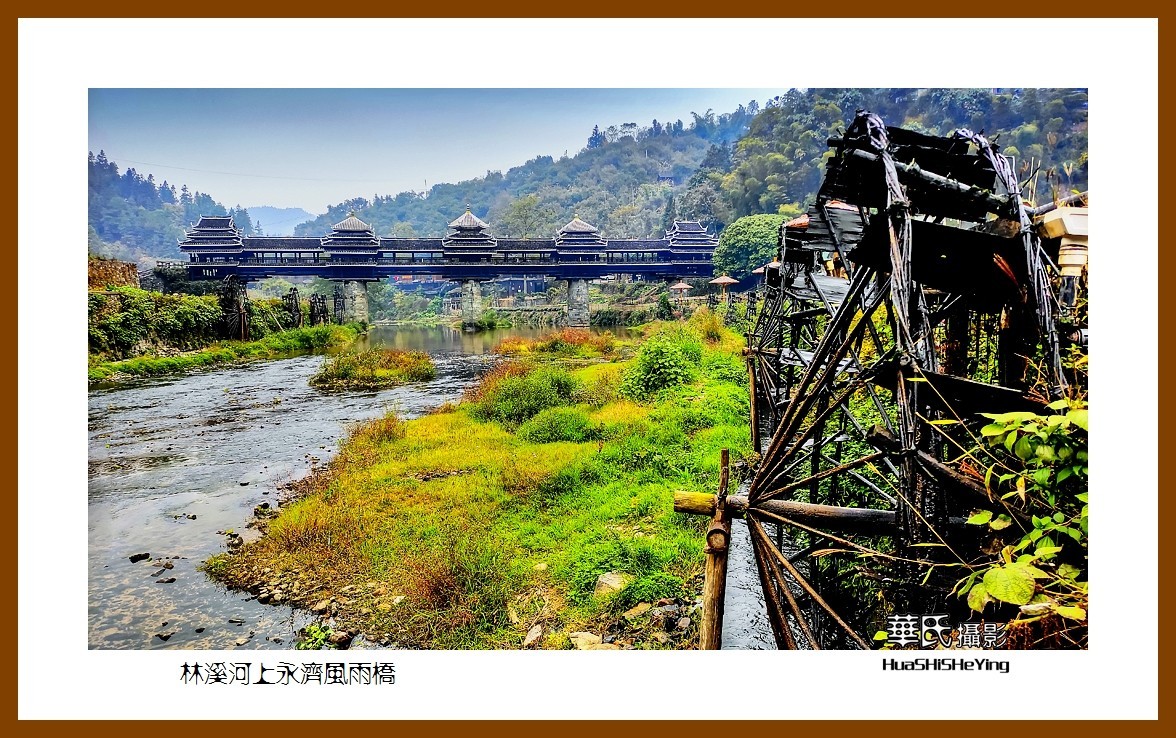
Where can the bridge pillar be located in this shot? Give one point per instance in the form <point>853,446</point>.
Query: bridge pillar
<point>578,303</point>
<point>355,295</point>
<point>471,302</point>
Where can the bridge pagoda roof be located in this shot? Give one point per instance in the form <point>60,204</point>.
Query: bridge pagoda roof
<point>469,221</point>
<point>213,230</point>
<point>469,231</point>
<point>351,233</point>
<point>690,233</point>
<point>579,233</point>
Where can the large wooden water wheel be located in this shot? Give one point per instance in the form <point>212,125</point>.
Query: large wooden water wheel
<point>866,387</point>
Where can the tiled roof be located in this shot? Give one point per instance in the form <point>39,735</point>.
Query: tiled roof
<point>351,223</point>
<point>468,221</point>
<point>578,226</point>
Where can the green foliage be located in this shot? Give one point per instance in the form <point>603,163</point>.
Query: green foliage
<point>780,161</point>
<point>559,424</point>
<point>286,343</point>
<point>747,244</point>
<point>315,637</point>
<point>667,359</point>
<point>1039,470</point>
<point>129,319</point>
<point>650,588</point>
<point>374,369</point>
<point>515,399</point>
<point>665,311</point>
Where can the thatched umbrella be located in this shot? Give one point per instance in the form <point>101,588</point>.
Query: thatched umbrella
<point>723,281</point>
<point>680,289</point>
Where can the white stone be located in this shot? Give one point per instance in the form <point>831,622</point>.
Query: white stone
<point>583,640</point>
<point>611,582</point>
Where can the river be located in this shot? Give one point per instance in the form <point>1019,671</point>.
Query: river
<point>174,462</point>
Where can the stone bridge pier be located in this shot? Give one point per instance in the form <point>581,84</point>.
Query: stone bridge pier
<point>578,303</point>
<point>471,302</point>
<point>355,306</point>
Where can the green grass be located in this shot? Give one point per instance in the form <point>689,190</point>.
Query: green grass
<point>284,343</point>
<point>448,515</point>
<point>374,369</point>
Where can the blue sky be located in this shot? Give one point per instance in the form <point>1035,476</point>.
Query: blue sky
<point>310,148</point>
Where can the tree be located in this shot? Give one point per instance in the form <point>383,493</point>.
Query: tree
<point>525,216</point>
<point>747,244</point>
<point>596,140</point>
<point>257,231</point>
<point>669,214</point>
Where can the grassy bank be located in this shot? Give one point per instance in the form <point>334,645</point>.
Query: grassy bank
<point>485,522</point>
<point>373,369</point>
<point>284,343</point>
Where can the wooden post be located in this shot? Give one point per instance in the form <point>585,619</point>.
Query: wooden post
<point>715,585</point>
<point>755,439</point>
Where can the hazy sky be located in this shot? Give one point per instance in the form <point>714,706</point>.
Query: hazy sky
<point>310,148</point>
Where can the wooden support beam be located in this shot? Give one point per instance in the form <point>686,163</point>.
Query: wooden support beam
<point>714,587</point>
<point>997,203</point>
<point>851,519</point>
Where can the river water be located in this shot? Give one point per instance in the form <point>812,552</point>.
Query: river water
<point>174,462</point>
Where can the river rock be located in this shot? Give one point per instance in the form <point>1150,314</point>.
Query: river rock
<point>638,610</point>
<point>583,640</point>
<point>200,630</point>
<point>611,583</point>
<point>242,641</point>
<point>533,636</point>
<point>165,636</point>
<point>321,606</point>
<point>190,516</point>
<point>603,647</point>
<point>683,623</point>
<point>661,637</point>
<point>169,580</point>
<point>136,558</point>
<point>341,639</point>
<point>168,565</point>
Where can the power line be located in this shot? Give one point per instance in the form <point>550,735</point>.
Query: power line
<point>243,174</point>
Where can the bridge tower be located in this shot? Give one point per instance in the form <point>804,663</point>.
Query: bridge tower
<point>579,241</point>
<point>352,241</point>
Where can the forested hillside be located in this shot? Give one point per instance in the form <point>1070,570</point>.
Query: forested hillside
<point>621,182</point>
<point>134,218</point>
<point>633,180</point>
<point>781,159</point>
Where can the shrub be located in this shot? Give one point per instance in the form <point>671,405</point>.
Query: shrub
<point>559,424</point>
<point>516,399</point>
<point>662,362</point>
<point>373,369</point>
